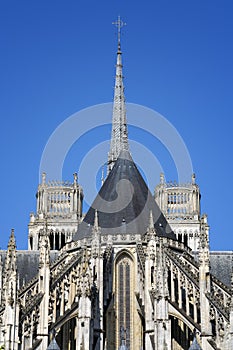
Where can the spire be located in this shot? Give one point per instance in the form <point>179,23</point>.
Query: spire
<point>96,222</point>
<point>11,244</point>
<point>10,265</point>
<point>151,221</point>
<point>119,138</point>
<point>151,227</point>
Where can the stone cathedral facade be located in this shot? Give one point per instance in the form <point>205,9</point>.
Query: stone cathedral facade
<point>134,273</point>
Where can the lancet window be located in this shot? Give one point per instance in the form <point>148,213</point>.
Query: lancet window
<point>124,299</point>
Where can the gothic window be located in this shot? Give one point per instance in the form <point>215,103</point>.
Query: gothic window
<point>174,198</point>
<point>191,310</point>
<point>183,291</point>
<point>198,314</point>
<point>176,290</point>
<point>62,240</point>
<point>31,243</point>
<point>169,281</point>
<point>152,275</point>
<point>57,241</point>
<point>213,327</point>
<point>124,300</point>
<point>51,240</point>
<point>185,239</point>
<point>169,199</point>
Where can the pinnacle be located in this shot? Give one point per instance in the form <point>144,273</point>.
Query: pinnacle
<point>12,243</point>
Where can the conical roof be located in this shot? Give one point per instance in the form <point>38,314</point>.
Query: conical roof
<point>124,204</point>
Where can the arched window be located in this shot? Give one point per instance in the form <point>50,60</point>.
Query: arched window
<point>57,246</point>
<point>63,240</point>
<point>31,242</point>
<point>51,240</point>
<point>124,299</point>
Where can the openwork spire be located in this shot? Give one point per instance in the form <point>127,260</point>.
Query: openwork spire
<point>119,139</point>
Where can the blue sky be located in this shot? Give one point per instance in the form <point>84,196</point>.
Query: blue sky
<point>58,57</point>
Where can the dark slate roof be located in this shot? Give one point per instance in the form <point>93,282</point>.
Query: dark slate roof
<point>221,266</point>
<point>124,203</point>
<point>27,263</point>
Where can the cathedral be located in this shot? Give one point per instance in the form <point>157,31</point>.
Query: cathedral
<point>135,272</point>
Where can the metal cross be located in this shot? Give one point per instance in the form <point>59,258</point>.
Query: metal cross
<point>119,24</point>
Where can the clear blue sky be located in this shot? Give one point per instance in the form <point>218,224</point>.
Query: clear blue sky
<point>58,57</point>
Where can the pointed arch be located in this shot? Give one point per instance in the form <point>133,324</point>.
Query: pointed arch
<point>124,297</point>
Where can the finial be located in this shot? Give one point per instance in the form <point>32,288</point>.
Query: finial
<point>12,243</point>
<point>193,179</point>
<point>12,232</point>
<point>43,178</point>
<point>12,236</point>
<point>162,178</point>
<point>75,178</point>
<point>96,223</point>
<point>151,221</point>
<point>119,24</point>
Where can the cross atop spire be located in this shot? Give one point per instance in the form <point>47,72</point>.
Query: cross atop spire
<point>119,138</point>
<point>119,24</point>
